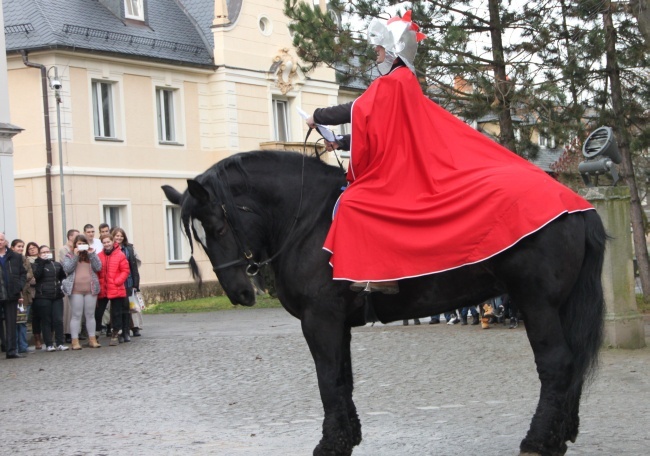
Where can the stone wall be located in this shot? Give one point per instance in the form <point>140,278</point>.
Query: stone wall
<point>176,292</point>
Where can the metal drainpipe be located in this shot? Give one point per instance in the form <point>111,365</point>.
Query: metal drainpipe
<point>48,148</point>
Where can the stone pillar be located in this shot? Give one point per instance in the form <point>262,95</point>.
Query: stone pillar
<point>7,132</point>
<point>624,326</point>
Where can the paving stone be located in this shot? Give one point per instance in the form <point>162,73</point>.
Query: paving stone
<point>242,383</point>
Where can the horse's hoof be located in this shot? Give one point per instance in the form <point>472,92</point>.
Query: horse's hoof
<point>355,426</point>
<point>532,448</point>
<point>356,438</point>
<point>572,434</point>
<point>544,453</point>
<point>320,451</point>
<point>528,453</point>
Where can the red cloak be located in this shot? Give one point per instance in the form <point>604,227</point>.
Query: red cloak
<point>428,193</point>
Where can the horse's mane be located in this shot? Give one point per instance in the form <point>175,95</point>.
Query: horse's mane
<point>275,161</point>
<point>231,176</point>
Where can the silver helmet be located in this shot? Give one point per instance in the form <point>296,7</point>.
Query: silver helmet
<point>399,36</point>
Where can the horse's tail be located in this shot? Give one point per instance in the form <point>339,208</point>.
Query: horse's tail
<point>582,317</point>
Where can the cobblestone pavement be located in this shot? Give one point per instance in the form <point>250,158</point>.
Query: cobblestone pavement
<point>242,383</point>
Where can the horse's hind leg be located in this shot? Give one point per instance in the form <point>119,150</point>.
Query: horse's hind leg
<point>355,423</point>
<point>557,408</point>
<point>573,420</point>
<point>326,339</point>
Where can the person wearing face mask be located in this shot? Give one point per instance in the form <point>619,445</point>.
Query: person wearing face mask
<point>381,36</point>
<point>48,301</point>
<point>112,276</point>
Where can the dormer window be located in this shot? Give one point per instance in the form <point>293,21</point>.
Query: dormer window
<point>134,9</point>
<point>546,141</point>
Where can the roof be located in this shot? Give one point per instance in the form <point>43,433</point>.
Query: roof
<point>546,157</point>
<point>6,127</point>
<point>202,13</point>
<point>494,117</point>
<point>170,33</point>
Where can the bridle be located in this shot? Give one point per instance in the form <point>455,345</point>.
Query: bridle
<point>234,223</point>
<point>232,220</point>
<point>253,267</point>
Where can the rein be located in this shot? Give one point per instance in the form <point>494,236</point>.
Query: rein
<point>336,155</point>
<point>253,267</point>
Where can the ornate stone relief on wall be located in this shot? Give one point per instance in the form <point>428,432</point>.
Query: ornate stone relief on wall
<point>285,68</point>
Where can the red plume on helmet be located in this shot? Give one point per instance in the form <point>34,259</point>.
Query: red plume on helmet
<point>399,36</point>
<point>407,18</point>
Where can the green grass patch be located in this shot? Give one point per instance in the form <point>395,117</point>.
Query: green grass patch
<point>641,304</point>
<point>212,304</point>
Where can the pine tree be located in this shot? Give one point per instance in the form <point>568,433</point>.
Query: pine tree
<point>626,110</point>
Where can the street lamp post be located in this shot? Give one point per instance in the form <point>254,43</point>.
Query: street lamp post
<point>55,84</point>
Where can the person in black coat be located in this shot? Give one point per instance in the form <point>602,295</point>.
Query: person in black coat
<point>132,282</point>
<point>48,301</point>
<point>13,276</point>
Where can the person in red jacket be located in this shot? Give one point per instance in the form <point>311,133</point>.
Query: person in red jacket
<point>114,272</point>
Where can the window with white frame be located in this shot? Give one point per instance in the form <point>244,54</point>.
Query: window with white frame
<point>176,250</point>
<point>281,119</point>
<point>134,9</point>
<point>165,108</point>
<point>115,215</point>
<point>546,141</point>
<point>542,140</point>
<point>103,111</point>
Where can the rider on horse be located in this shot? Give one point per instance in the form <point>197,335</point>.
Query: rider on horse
<point>427,192</point>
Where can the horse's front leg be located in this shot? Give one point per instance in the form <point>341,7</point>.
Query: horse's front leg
<point>325,335</point>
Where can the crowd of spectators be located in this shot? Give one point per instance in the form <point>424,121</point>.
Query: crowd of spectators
<point>87,290</point>
<point>495,310</point>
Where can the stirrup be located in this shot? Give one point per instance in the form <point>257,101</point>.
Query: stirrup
<point>371,287</point>
<point>360,287</point>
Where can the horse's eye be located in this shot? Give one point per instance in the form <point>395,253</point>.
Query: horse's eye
<point>223,230</point>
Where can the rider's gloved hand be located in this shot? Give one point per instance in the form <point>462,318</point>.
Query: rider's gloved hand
<point>330,146</point>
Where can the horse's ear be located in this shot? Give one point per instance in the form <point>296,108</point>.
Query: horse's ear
<point>172,194</point>
<point>198,191</point>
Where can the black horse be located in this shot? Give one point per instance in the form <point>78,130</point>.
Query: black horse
<point>275,207</point>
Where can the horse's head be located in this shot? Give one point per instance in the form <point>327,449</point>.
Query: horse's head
<point>206,218</point>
